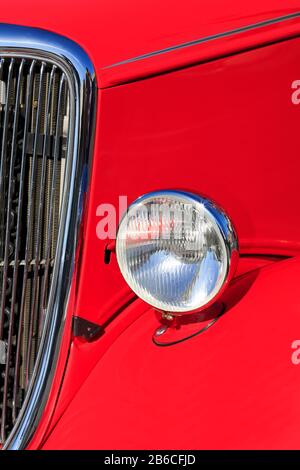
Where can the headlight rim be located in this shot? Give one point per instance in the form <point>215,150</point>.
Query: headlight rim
<point>221,221</point>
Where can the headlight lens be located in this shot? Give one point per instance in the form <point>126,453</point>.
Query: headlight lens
<point>176,250</point>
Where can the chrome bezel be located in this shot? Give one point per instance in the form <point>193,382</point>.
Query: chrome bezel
<point>38,44</point>
<point>224,226</point>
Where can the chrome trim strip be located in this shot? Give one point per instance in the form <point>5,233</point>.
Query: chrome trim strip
<point>212,37</point>
<point>38,44</point>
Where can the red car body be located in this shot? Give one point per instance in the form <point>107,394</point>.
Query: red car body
<point>198,96</point>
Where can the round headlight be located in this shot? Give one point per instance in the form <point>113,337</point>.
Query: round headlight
<point>176,250</point>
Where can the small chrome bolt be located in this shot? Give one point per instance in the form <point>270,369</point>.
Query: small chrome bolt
<point>167,316</point>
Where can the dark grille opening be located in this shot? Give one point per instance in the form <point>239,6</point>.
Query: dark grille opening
<point>34,135</point>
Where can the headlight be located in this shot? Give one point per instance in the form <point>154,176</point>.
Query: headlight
<point>176,250</point>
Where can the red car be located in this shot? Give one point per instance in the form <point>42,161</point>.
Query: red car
<point>149,224</point>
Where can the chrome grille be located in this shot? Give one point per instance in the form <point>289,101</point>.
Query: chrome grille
<point>34,139</point>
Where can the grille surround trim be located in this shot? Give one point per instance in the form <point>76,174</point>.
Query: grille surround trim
<point>32,43</point>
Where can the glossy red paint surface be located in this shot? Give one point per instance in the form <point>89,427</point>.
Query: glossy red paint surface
<point>251,168</point>
<point>234,386</point>
<point>226,129</point>
<point>113,31</point>
<point>84,356</point>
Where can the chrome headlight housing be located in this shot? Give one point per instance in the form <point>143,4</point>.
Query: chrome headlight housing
<point>176,250</point>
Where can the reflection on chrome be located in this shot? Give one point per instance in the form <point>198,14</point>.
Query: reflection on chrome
<point>176,250</point>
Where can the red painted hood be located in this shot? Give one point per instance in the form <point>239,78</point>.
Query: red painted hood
<point>117,30</point>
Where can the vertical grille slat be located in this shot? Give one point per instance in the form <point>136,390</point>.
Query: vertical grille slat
<point>33,140</point>
<point>4,228</point>
<point>31,218</point>
<point>34,327</point>
<point>8,228</point>
<point>50,226</point>
<point>19,222</point>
